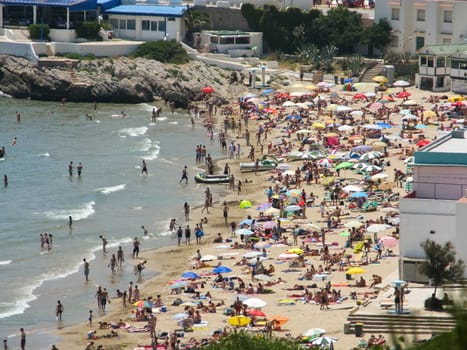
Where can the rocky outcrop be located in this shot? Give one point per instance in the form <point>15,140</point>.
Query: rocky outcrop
<point>121,80</point>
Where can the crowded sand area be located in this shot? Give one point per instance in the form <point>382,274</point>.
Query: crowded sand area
<point>293,285</point>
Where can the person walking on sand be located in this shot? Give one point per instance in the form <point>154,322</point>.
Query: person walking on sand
<point>22,339</point>
<point>187,235</point>
<point>90,318</point>
<point>59,310</point>
<point>86,270</point>
<point>144,169</point>
<point>225,211</point>
<point>179,235</point>
<point>184,175</point>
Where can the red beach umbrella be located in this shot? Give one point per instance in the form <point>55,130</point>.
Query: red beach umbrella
<point>403,94</point>
<point>208,90</point>
<point>423,142</point>
<point>256,313</point>
<point>359,96</point>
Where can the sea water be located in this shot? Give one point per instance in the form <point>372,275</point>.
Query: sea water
<point>111,198</point>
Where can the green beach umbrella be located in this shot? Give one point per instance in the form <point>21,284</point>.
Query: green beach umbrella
<point>344,165</point>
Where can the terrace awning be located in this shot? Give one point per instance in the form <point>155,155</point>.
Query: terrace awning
<point>73,5</point>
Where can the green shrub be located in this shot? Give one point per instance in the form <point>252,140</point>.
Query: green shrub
<point>35,31</point>
<point>88,30</point>
<point>166,51</point>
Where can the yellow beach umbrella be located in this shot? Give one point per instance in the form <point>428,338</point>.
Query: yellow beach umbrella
<point>327,180</point>
<point>239,321</point>
<point>355,271</point>
<point>245,204</point>
<point>429,114</point>
<point>297,251</point>
<point>380,79</point>
<point>318,125</point>
<point>378,145</point>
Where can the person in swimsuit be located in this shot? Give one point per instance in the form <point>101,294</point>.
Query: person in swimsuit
<point>144,170</point>
<point>135,248</point>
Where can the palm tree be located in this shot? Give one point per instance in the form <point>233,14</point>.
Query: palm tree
<point>441,265</point>
<point>195,20</point>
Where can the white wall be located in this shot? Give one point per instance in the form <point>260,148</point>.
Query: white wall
<point>113,49</point>
<point>18,49</point>
<point>62,35</point>
<point>441,182</point>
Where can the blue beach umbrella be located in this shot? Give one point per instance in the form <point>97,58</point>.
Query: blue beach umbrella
<point>267,92</point>
<point>246,222</point>
<point>222,269</point>
<point>384,125</point>
<point>359,195</point>
<point>190,274</point>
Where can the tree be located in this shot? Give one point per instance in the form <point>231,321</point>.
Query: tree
<point>166,51</point>
<point>441,265</point>
<point>195,20</point>
<point>378,36</point>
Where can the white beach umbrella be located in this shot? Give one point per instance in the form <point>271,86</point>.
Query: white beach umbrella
<point>357,113</point>
<point>255,303</point>
<point>252,254</point>
<point>322,341</point>
<point>370,156</point>
<point>401,83</point>
<point>409,117</point>
<point>352,188</point>
<point>380,176</point>
<point>375,228</point>
<point>208,257</point>
<point>287,256</point>
<point>353,223</point>
<point>288,104</point>
<point>345,128</point>
<point>342,108</point>
<point>371,169</point>
<point>244,232</point>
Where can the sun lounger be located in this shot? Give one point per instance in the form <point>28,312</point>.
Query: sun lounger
<point>386,303</point>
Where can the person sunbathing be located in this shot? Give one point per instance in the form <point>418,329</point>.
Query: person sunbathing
<point>376,280</point>
<point>361,282</point>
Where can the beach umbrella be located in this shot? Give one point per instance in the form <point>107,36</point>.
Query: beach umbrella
<point>344,165</point>
<point>244,204</point>
<point>342,108</point>
<point>287,256</point>
<point>372,127</point>
<point>378,177</point>
<point>376,105</point>
<point>314,332</point>
<point>370,156</point>
<point>371,169</point>
<point>239,321</point>
<point>358,195</point>
<point>245,222</point>
<point>375,228</point>
<point>401,83</point>
<point>323,341</point>
<point>264,206</point>
<point>361,148</point>
<point>303,131</point>
<point>292,208</point>
<point>356,113</point>
<point>190,274</point>
<point>252,254</point>
<point>344,128</point>
<point>355,271</point>
<point>255,303</point>
<point>288,104</point>
<point>318,125</point>
<point>409,103</point>
<point>399,283</point>
<point>380,79</point>
<point>178,284</point>
<point>378,145</point>
<point>297,251</point>
<point>403,94</point>
<point>353,223</point>
<point>268,225</point>
<point>267,92</point>
<point>429,114</point>
<point>264,278</point>
<point>222,269</point>
<point>180,316</point>
<point>293,193</point>
<point>384,125</point>
<point>388,242</point>
<point>278,319</point>
<point>423,143</point>
<point>208,257</point>
<point>360,96</point>
<point>359,166</point>
<point>352,188</point>
<point>409,117</point>
<point>143,304</point>
<point>244,232</point>
<point>256,313</point>
<point>207,90</point>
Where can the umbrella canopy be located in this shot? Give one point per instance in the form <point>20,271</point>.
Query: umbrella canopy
<point>388,242</point>
<point>222,269</point>
<point>180,316</point>
<point>292,208</point>
<point>423,143</point>
<point>401,83</point>
<point>344,165</point>
<point>380,79</point>
<point>355,271</point>
<point>322,341</point>
<point>378,145</point>
<point>244,232</point>
<point>314,332</point>
<point>268,225</point>
<point>344,128</point>
<point>264,206</point>
<point>359,195</point>
<point>256,313</point>
<point>288,104</point>
<point>371,169</point>
<point>190,274</point>
<point>361,148</point>
<point>375,228</point>
<point>399,283</point>
<point>143,304</point>
<point>287,256</point>
<point>318,125</point>
<point>178,284</point>
<point>370,156</point>
<point>352,224</point>
<point>207,90</point>
<point>352,188</point>
<point>409,103</point>
<point>252,254</point>
<point>297,251</point>
<point>278,319</point>
<point>255,303</point>
<point>239,321</point>
<point>376,105</point>
<point>356,113</point>
<point>245,204</point>
<point>380,176</point>
<point>403,94</point>
<point>360,96</point>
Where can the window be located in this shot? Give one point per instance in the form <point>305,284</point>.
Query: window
<point>447,16</point>
<point>439,82</point>
<point>395,14</point>
<point>440,62</point>
<point>226,40</point>
<point>122,24</point>
<point>145,25</point>
<point>154,26</point>
<point>171,19</point>
<point>114,23</point>
<point>394,41</point>
<point>162,26</point>
<point>454,64</point>
<point>430,62</point>
<point>419,42</point>
<point>447,41</point>
<point>423,60</point>
<point>214,40</point>
<point>421,15</point>
<point>131,24</point>
<point>462,65</point>
<point>242,40</point>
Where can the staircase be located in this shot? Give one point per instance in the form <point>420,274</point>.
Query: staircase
<point>71,71</point>
<point>21,35</point>
<point>402,324</point>
<point>372,72</point>
<point>50,52</point>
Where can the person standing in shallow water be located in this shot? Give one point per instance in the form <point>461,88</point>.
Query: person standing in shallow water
<point>79,168</point>
<point>86,270</point>
<point>59,310</point>
<point>70,169</point>
<point>144,170</point>
<point>22,339</point>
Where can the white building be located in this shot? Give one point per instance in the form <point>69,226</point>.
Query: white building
<point>417,23</point>
<point>437,207</point>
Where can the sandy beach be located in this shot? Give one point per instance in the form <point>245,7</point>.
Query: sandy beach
<point>302,312</point>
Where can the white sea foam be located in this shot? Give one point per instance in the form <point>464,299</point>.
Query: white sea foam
<point>161,118</point>
<point>111,189</point>
<point>46,154</point>
<point>134,131</point>
<point>5,262</point>
<point>146,144</point>
<point>153,153</point>
<point>175,123</point>
<point>137,208</point>
<point>83,212</point>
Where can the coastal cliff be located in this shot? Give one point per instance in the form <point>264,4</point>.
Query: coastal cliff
<point>112,80</point>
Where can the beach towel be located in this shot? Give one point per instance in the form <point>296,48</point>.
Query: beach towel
<point>341,284</point>
<point>287,302</point>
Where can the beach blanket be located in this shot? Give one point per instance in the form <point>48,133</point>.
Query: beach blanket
<point>341,284</point>
<point>287,302</point>
<point>203,326</point>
